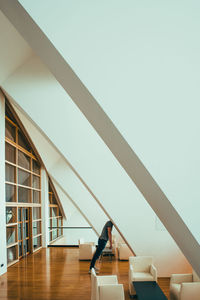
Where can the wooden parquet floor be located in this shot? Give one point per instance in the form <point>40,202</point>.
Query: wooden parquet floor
<point>57,274</point>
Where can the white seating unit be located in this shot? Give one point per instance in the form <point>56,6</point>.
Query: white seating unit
<point>124,252</point>
<point>106,287</point>
<point>86,250</point>
<point>184,287</point>
<point>141,268</point>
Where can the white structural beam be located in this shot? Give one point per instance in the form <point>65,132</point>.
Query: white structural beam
<point>10,60</point>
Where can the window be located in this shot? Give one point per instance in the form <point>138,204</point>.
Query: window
<point>23,192</point>
<point>55,216</point>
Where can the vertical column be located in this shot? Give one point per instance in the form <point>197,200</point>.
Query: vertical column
<point>3,250</point>
<point>45,208</point>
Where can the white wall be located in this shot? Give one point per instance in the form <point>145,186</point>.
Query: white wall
<point>3,250</point>
<point>69,185</point>
<point>79,143</point>
<point>74,218</point>
<point>150,59</point>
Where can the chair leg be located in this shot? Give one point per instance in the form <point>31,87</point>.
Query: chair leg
<point>132,296</point>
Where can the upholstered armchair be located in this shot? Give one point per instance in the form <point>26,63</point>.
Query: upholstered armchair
<point>105,287</point>
<point>124,252</point>
<point>86,250</point>
<point>184,287</point>
<point>141,268</point>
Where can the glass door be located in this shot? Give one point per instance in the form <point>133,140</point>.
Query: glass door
<point>24,231</point>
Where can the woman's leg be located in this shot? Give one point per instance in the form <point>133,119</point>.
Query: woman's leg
<point>100,247</point>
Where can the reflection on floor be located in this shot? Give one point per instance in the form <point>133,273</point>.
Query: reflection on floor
<point>57,274</point>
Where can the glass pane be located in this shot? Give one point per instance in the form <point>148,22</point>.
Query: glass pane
<point>54,211</point>
<point>50,190</point>
<point>36,182</point>
<point>23,160</point>
<point>24,178</point>
<point>36,167</point>
<point>9,114</point>
<point>24,195</point>
<point>54,234</point>
<point>26,214</point>
<point>54,222</point>
<point>10,131</point>
<point>36,213</point>
<point>19,214</point>
<point>19,231</point>
<point>27,245</point>
<point>54,199</point>
<point>11,215</point>
<point>60,222</point>
<point>59,232</point>
<point>22,141</point>
<point>50,236</point>
<point>36,197</point>
<point>11,235</point>
<point>50,198</point>
<point>10,153</point>
<point>27,231</point>
<point>10,193</point>
<point>10,173</point>
<point>11,254</point>
<point>36,228</point>
<point>20,249</point>
<point>36,242</point>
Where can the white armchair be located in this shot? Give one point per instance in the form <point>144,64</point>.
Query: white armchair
<point>184,287</point>
<point>105,287</point>
<point>141,268</point>
<point>86,250</point>
<point>124,252</point>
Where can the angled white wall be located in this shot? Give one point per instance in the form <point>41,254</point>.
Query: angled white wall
<point>36,91</point>
<point>75,225</point>
<point>153,71</point>
<point>65,178</point>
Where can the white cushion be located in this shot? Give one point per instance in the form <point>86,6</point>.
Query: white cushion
<point>142,263</point>
<point>142,276</point>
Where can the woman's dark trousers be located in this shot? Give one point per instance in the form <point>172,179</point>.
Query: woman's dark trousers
<point>100,247</point>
